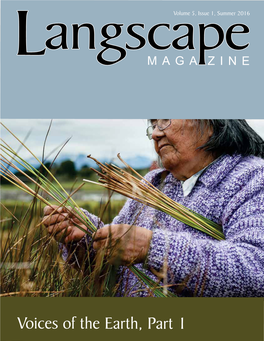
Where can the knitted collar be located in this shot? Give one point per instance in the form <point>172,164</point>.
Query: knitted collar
<point>188,184</point>
<point>218,170</point>
<point>210,176</point>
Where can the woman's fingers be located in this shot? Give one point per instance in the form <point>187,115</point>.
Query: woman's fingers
<point>98,245</point>
<point>61,224</point>
<point>63,235</point>
<point>54,218</point>
<point>74,235</point>
<point>102,233</point>
<point>48,209</point>
<point>55,228</point>
<point>54,209</point>
<point>123,243</point>
<point>107,235</point>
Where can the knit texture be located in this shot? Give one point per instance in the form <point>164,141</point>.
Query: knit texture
<point>230,192</point>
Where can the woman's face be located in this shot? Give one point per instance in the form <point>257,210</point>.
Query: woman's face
<point>177,147</point>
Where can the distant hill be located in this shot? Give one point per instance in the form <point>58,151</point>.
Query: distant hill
<point>138,162</point>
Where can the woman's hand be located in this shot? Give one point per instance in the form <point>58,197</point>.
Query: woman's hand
<point>61,224</point>
<point>123,244</point>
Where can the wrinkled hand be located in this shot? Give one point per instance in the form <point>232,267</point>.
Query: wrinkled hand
<point>61,224</point>
<point>123,244</point>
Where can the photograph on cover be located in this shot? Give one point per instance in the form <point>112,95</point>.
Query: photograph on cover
<point>159,208</point>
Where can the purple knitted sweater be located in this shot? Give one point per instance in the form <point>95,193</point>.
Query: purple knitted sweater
<point>229,192</point>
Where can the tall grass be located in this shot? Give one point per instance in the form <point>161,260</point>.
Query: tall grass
<point>30,261</point>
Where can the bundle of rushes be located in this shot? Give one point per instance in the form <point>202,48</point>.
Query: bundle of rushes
<point>9,159</point>
<point>138,188</point>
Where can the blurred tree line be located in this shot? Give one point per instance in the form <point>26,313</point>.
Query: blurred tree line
<point>65,171</point>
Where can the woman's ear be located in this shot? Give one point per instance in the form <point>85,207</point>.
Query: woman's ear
<point>210,131</point>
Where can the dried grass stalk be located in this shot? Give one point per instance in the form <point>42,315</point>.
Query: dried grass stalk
<point>134,186</point>
<point>8,160</point>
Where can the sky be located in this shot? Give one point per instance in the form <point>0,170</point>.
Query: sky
<point>102,138</point>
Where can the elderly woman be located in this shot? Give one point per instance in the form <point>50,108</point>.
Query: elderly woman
<point>213,167</point>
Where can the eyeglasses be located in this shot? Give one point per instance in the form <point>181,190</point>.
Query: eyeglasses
<point>161,124</point>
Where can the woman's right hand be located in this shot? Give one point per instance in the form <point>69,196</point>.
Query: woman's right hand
<point>61,224</point>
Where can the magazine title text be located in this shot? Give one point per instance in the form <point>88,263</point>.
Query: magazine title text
<point>140,41</point>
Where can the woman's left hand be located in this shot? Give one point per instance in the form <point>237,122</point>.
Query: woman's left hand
<point>123,244</point>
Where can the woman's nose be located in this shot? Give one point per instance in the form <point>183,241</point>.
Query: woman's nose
<point>157,134</point>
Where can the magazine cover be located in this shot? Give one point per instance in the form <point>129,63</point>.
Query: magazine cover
<point>132,172</point>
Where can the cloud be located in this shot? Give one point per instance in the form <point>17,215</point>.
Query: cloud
<point>258,126</point>
<point>99,137</point>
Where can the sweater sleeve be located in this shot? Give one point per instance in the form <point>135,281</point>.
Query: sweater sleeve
<point>127,215</point>
<point>70,253</point>
<point>207,267</point>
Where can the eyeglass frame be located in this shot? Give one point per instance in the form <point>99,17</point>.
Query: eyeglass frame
<point>153,127</point>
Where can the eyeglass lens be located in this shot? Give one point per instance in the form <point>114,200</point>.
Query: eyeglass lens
<point>161,124</point>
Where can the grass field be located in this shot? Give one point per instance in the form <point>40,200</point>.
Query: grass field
<point>68,185</point>
<point>31,262</point>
